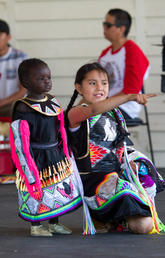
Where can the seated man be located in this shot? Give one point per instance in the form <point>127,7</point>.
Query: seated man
<point>10,58</point>
<point>124,61</point>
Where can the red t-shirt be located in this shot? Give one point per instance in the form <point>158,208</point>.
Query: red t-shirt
<point>127,68</point>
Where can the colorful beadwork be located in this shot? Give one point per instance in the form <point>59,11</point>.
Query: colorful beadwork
<point>97,152</point>
<point>56,199</point>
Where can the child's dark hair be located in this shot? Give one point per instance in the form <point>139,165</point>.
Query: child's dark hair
<point>4,27</point>
<point>122,18</point>
<point>83,70</point>
<point>25,67</point>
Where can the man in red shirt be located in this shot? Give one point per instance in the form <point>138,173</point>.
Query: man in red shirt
<point>125,62</point>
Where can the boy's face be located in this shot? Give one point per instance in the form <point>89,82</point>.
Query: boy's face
<point>4,40</point>
<point>39,80</point>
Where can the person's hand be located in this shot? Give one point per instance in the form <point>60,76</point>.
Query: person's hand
<point>143,98</point>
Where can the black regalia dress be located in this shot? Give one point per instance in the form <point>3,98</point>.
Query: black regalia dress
<point>43,167</point>
<point>108,192</point>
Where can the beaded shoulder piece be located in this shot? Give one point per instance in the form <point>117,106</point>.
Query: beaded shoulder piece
<point>119,114</point>
<point>48,106</point>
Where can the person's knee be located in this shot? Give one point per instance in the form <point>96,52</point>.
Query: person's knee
<point>140,225</point>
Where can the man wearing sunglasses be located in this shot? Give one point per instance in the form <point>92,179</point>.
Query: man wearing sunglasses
<point>125,62</point>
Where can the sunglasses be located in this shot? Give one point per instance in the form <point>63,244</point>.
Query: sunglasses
<point>109,25</point>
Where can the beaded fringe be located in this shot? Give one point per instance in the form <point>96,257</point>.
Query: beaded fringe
<point>48,176</point>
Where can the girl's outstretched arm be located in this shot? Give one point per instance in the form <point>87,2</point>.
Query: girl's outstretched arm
<point>80,113</point>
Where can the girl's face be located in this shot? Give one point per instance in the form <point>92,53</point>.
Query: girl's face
<point>39,80</point>
<point>94,87</point>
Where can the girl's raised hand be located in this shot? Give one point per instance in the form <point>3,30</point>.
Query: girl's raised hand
<point>143,98</point>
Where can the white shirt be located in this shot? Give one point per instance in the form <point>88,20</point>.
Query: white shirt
<point>127,68</point>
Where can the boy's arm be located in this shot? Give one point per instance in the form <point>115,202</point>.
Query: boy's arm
<point>12,98</point>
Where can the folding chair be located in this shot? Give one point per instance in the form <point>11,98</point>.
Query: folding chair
<point>138,122</point>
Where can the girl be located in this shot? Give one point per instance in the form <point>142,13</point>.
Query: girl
<point>45,182</point>
<point>112,179</point>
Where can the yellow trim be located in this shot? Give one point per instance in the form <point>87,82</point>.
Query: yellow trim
<point>84,156</point>
<point>153,231</point>
<point>84,173</point>
<point>38,100</point>
<point>55,114</point>
<point>47,177</point>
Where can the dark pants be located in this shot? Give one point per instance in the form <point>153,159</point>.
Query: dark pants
<point>51,221</point>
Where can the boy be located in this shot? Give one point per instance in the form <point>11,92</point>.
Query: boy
<point>10,58</point>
